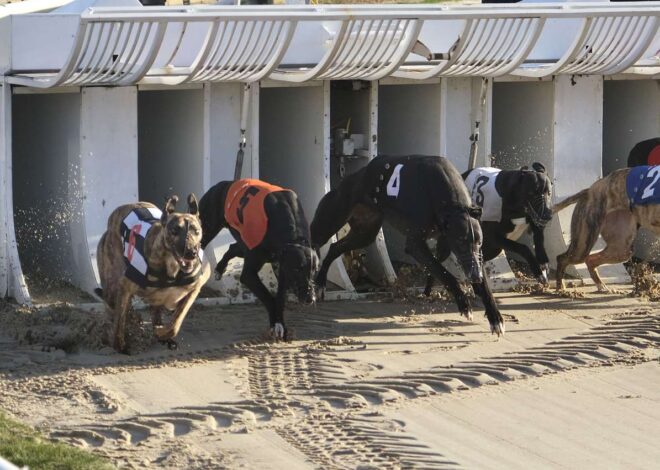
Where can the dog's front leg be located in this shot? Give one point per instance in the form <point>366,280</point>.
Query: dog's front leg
<point>362,233</point>
<point>492,312</point>
<point>250,278</point>
<point>182,308</point>
<point>442,252</point>
<point>418,249</point>
<point>525,252</point>
<point>541,255</point>
<point>156,316</point>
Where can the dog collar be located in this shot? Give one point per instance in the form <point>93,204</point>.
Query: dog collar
<point>160,279</point>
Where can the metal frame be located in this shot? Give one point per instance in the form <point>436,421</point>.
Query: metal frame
<point>118,46</point>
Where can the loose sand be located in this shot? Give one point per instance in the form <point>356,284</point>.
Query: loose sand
<point>574,383</point>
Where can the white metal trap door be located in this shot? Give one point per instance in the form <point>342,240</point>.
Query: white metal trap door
<point>630,115</point>
<point>368,47</point>
<point>216,48</point>
<point>478,47</point>
<point>602,42</point>
<point>105,51</point>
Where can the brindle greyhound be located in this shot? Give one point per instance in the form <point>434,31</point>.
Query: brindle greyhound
<point>614,207</point>
<point>422,197</point>
<point>269,226</point>
<point>155,256</point>
<point>512,201</point>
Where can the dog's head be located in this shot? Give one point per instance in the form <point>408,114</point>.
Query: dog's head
<point>465,239</point>
<point>183,233</point>
<point>299,264</point>
<point>534,193</point>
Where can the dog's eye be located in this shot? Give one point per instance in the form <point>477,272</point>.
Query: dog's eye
<point>174,230</point>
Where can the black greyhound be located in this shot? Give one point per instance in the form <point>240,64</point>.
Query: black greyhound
<point>269,226</point>
<point>646,152</point>
<point>422,197</point>
<point>512,201</point>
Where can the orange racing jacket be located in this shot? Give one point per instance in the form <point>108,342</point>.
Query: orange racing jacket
<point>245,211</point>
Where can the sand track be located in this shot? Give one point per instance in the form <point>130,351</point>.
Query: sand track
<point>333,397</point>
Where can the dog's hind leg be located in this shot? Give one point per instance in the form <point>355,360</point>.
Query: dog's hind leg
<point>234,251</point>
<point>586,223</point>
<point>618,232</point>
<point>365,222</point>
<point>166,334</point>
<point>417,248</point>
<point>122,305</point>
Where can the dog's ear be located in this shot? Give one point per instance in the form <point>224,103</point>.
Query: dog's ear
<point>538,167</point>
<point>170,206</point>
<point>475,212</point>
<point>524,168</point>
<point>193,206</point>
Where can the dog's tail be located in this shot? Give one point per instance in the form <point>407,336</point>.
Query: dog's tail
<point>570,201</point>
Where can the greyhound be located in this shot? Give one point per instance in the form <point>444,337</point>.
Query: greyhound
<point>614,207</point>
<point>155,255</point>
<point>422,197</point>
<point>269,226</point>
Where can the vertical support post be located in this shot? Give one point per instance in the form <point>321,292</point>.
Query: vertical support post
<point>442,128</point>
<point>12,282</point>
<point>106,175</point>
<point>222,118</point>
<point>482,93</point>
<point>5,178</point>
<point>387,268</point>
<point>253,129</point>
<point>337,273</point>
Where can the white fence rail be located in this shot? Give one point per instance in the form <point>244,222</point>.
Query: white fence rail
<point>121,46</point>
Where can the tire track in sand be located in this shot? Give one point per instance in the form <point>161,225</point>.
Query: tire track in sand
<point>622,340</point>
<point>291,377</point>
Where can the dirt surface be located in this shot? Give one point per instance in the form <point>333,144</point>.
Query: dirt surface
<point>363,384</point>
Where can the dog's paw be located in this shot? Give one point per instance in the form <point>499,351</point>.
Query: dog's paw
<point>320,293</point>
<point>498,328</point>
<point>467,313</point>
<point>544,277</point>
<point>170,343</point>
<point>278,331</point>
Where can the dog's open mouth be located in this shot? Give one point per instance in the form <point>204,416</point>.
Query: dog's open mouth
<point>187,265</point>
